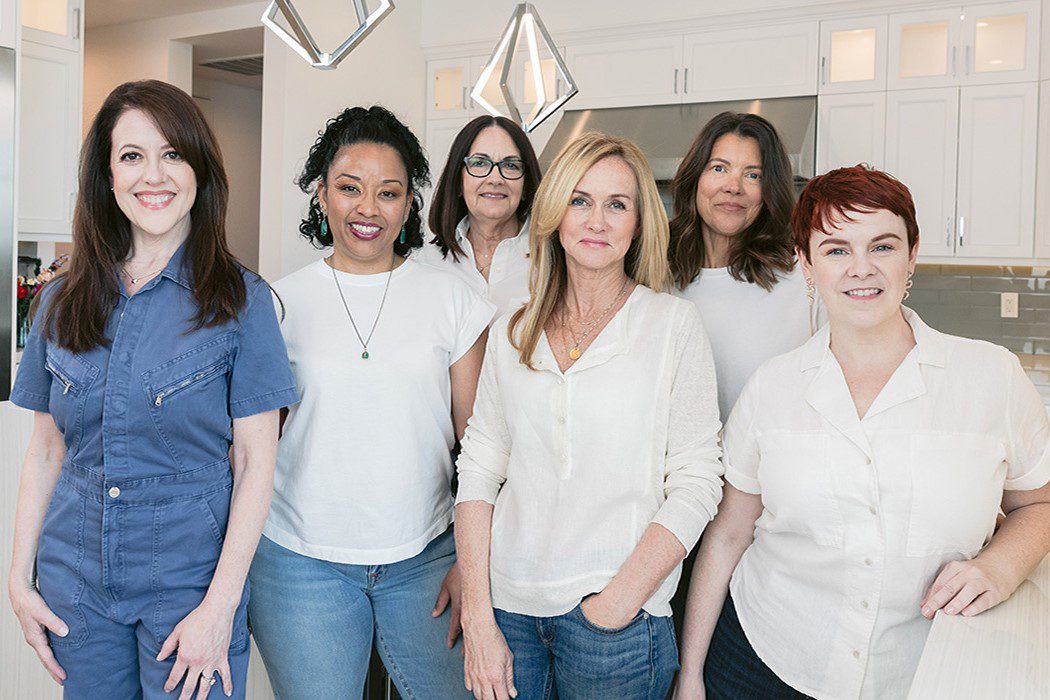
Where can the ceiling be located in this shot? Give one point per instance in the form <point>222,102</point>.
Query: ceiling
<point>98,13</point>
<point>235,44</point>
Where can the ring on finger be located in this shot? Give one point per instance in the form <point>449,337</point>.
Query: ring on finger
<point>208,676</point>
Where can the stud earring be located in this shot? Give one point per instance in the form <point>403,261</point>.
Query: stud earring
<point>810,289</point>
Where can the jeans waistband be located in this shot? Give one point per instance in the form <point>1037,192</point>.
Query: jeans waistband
<point>153,490</point>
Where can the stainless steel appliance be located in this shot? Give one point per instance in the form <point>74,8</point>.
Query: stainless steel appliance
<point>665,132</point>
<point>7,220</point>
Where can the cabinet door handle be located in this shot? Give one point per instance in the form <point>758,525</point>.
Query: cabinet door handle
<point>685,81</point>
<point>823,71</point>
<point>676,81</point>
<point>464,101</point>
<point>953,60</point>
<point>962,230</point>
<point>76,22</point>
<point>948,231</point>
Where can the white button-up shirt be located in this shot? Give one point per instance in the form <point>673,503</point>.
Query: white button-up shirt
<point>859,515</point>
<point>508,283</point>
<point>579,463</point>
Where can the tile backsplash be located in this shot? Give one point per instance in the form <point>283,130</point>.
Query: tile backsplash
<point>964,300</point>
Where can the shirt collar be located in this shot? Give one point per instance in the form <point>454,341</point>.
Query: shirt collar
<point>930,346</point>
<point>464,225</point>
<point>176,271</point>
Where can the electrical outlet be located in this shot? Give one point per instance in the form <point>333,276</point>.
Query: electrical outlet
<point>1008,305</point>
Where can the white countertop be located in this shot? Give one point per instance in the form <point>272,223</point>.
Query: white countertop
<point>1003,653</point>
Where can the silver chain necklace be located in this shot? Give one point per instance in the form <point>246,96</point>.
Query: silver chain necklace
<point>364,341</point>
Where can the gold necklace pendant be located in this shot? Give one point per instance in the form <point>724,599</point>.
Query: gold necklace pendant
<point>575,353</point>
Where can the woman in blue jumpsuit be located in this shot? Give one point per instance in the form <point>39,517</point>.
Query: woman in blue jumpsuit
<point>154,354</point>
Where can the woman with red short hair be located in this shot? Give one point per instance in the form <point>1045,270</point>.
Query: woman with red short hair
<point>864,471</point>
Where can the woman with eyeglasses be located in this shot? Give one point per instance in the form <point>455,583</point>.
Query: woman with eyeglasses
<point>479,217</point>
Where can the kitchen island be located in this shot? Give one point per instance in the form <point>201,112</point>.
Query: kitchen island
<point>1003,653</point>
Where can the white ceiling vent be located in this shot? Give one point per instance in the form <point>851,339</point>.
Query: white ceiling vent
<point>243,65</point>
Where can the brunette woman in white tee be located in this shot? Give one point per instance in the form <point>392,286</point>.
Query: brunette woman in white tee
<point>590,464</point>
<point>865,471</point>
<point>386,353</point>
<point>732,256</point>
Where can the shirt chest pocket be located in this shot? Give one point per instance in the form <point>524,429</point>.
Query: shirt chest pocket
<point>957,488</point>
<point>188,399</point>
<point>797,493</point>
<point>71,378</point>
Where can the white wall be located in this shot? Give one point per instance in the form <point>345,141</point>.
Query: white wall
<point>152,49</point>
<point>388,68</point>
<point>235,115</point>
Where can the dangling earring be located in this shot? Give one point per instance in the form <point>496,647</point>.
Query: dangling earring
<point>402,237</point>
<point>324,227</point>
<point>809,289</point>
<point>907,287</point>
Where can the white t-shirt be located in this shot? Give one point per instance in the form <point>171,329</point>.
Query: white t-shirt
<point>578,463</point>
<point>748,325</point>
<point>860,514</point>
<point>508,284</point>
<point>364,465</point>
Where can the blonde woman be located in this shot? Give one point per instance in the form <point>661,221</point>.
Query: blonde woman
<point>591,463</point>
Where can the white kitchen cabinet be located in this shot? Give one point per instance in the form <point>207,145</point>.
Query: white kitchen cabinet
<point>922,128</point>
<point>57,23</point>
<point>851,129</point>
<point>967,45</point>
<point>996,181</point>
<point>924,49</point>
<point>853,55</point>
<point>1042,177</point>
<point>777,60</point>
<point>440,135</point>
<point>448,86</point>
<point>48,140</point>
<point>1000,43</point>
<point>8,23</point>
<point>644,71</point>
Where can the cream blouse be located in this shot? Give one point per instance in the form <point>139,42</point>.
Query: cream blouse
<point>579,463</point>
<point>859,515</point>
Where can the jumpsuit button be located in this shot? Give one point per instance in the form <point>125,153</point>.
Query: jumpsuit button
<point>114,492</point>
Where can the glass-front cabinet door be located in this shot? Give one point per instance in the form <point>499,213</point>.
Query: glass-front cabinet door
<point>56,23</point>
<point>853,55</point>
<point>1000,43</point>
<point>924,49</point>
<point>967,45</point>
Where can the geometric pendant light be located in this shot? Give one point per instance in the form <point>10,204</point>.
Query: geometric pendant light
<point>303,42</point>
<point>525,24</point>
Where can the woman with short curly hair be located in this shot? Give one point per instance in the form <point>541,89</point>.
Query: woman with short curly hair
<point>386,353</point>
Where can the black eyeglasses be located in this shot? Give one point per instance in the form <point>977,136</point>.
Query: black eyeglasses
<point>481,166</point>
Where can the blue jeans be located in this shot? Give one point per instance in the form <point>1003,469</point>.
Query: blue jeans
<point>314,622</point>
<point>571,658</point>
<point>733,670</point>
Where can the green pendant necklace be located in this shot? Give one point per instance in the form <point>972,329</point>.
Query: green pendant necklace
<point>364,341</point>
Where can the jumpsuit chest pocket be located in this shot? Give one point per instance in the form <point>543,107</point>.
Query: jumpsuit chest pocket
<point>188,398</point>
<point>71,378</point>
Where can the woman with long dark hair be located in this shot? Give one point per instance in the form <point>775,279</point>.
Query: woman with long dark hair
<point>157,351</point>
<point>479,216</point>
<point>386,352</point>
<point>731,250</point>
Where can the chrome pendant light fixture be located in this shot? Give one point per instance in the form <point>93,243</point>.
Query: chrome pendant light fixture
<point>302,42</point>
<point>525,23</point>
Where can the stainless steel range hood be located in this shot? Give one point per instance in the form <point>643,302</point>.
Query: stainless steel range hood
<point>665,132</point>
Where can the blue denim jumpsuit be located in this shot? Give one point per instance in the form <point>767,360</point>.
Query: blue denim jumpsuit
<point>135,525</point>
